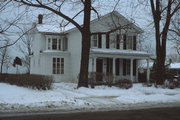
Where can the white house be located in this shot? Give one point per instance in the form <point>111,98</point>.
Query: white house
<point>114,40</point>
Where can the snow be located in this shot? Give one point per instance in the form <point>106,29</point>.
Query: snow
<point>54,51</point>
<point>175,65</point>
<point>172,65</point>
<point>144,65</point>
<point>52,28</point>
<point>117,51</point>
<point>65,96</point>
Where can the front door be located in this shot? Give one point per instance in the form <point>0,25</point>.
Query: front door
<point>99,69</point>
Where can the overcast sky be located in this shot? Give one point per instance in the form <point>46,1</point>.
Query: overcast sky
<point>128,8</point>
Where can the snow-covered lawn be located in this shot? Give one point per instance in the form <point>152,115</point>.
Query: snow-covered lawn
<point>65,97</point>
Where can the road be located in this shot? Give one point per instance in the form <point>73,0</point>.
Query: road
<point>144,114</point>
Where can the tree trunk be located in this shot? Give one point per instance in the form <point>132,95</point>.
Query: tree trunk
<point>3,58</point>
<point>1,67</point>
<point>160,67</point>
<point>83,76</point>
<point>161,38</point>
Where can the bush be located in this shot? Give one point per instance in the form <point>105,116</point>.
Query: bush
<point>39,82</point>
<point>108,78</point>
<point>125,84</point>
<point>95,78</point>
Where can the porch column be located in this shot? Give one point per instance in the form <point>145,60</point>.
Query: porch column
<point>94,64</point>
<point>148,70</point>
<point>114,68</point>
<point>137,68</point>
<point>131,70</point>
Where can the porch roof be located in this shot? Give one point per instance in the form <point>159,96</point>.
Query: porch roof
<point>117,53</point>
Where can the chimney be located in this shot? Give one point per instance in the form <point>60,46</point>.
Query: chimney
<point>40,18</point>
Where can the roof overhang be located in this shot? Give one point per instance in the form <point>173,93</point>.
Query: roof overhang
<point>116,53</point>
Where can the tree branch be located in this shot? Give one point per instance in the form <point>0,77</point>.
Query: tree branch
<point>8,45</point>
<point>52,10</point>
<point>175,9</point>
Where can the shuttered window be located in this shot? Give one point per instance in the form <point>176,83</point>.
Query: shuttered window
<point>56,43</point>
<point>129,42</point>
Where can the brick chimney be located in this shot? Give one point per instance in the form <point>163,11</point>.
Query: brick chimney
<point>40,19</point>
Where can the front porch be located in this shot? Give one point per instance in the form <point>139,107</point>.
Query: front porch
<point>122,64</point>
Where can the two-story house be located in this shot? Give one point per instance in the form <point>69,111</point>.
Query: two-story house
<point>113,49</point>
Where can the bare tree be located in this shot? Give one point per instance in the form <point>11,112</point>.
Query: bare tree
<point>175,32</point>
<point>9,22</point>
<point>162,12</point>
<point>4,56</point>
<point>174,57</point>
<point>25,47</point>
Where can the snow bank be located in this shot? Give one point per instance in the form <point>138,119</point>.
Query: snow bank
<point>65,96</point>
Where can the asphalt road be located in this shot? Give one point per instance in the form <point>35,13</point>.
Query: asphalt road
<point>144,114</point>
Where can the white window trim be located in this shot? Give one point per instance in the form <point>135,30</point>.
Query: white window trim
<point>61,69</point>
<point>61,39</point>
<point>92,41</point>
<point>128,41</point>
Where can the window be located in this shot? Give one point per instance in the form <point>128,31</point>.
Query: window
<point>59,46</point>
<point>54,44</point>
<point>58,66</point>
<point>49,44</point>
<point>57,43</point>
<point>94,40</point>
<point>129,44</point>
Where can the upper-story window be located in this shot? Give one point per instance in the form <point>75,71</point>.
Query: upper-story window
<point>94,40</point>
<point>129,42</point>
<point>57,43</point>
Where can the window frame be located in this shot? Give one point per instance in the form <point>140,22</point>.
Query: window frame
<point>58,66</point>
<point>94,39</point>
<point>129,42</point>
<point>60,43</point>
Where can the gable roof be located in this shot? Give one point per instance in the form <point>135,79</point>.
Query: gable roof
<point>58,30</point>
